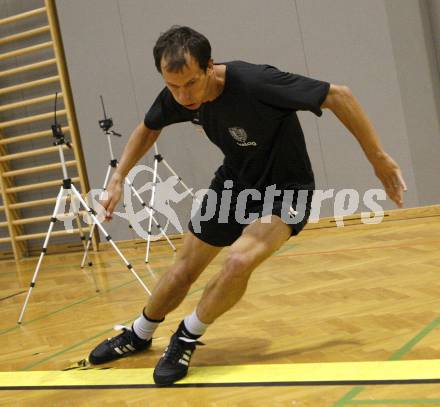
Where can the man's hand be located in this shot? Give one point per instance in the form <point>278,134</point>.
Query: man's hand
<point>387,170</point>
<point>114,192</point>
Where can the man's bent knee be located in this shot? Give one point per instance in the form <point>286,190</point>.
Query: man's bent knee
<point>238,265</point>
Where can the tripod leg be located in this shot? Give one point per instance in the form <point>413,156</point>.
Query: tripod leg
<point>78,222</point>
<point>89,239</point>
<point>107,176</point>
<point>108,237</point>
<point>150,212</point>
<point>83,238</point>
<point>43,252</point>
<point>147,254</point>
<point>151,272</point>
<point>87,247</point>
<point>161,230</point>
<point>129,224</point>
<point>90,263</point>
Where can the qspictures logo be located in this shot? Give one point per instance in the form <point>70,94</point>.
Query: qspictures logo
<point>295,204</point>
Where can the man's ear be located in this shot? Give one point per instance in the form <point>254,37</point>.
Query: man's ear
<point>210,67</point>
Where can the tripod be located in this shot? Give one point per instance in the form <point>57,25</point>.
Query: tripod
<point>158,158</point>
<point>106,124</point>
<point>69,188</point>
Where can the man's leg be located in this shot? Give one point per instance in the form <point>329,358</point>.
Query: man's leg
<point>172,288</point>
<point>169,292</point>
<point>257,242</point>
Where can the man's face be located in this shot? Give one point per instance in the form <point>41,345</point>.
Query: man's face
<point>189,86</point>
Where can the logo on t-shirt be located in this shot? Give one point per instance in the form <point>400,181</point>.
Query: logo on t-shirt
<point>240,136</point>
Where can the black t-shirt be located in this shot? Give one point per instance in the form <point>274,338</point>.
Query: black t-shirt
<point>254,123</point>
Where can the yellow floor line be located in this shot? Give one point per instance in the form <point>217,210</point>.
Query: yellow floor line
<point>341,372</point>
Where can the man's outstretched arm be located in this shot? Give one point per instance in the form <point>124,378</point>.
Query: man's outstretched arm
<point>347,109</point>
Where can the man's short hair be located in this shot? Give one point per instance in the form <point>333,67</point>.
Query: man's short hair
<point>174,46</point>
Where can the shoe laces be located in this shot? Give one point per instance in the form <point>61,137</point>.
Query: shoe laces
<point>120,339</point>
<point>178,346</point>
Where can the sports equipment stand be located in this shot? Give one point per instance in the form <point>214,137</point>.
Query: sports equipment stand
<point>69,189</point>
<point>158,158</point>
<point>106,124</point>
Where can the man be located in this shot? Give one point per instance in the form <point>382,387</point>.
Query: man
<point>249,112</point>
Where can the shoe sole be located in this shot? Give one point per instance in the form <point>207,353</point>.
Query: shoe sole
<point>98,361</point>
<point>159,381</point>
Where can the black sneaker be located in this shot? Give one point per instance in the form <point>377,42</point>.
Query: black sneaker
<point>124,344</point>
<point>174,363</point>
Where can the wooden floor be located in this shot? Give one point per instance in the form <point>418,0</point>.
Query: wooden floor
<point>358,293</point>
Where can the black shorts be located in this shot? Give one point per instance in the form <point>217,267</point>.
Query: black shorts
<point>220,222</point>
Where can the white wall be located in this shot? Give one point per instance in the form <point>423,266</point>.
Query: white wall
<point>380,48</point>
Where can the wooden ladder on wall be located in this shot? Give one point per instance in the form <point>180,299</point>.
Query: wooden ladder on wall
<point>13,203</point>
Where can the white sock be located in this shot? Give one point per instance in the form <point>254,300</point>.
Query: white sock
<point>144,328</point>
<point>194,325</point>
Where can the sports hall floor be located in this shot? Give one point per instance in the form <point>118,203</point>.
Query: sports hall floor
<point>327,301</point>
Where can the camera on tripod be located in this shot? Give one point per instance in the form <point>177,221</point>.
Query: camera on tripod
<point>57,133</point>
<point>106,124</point>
